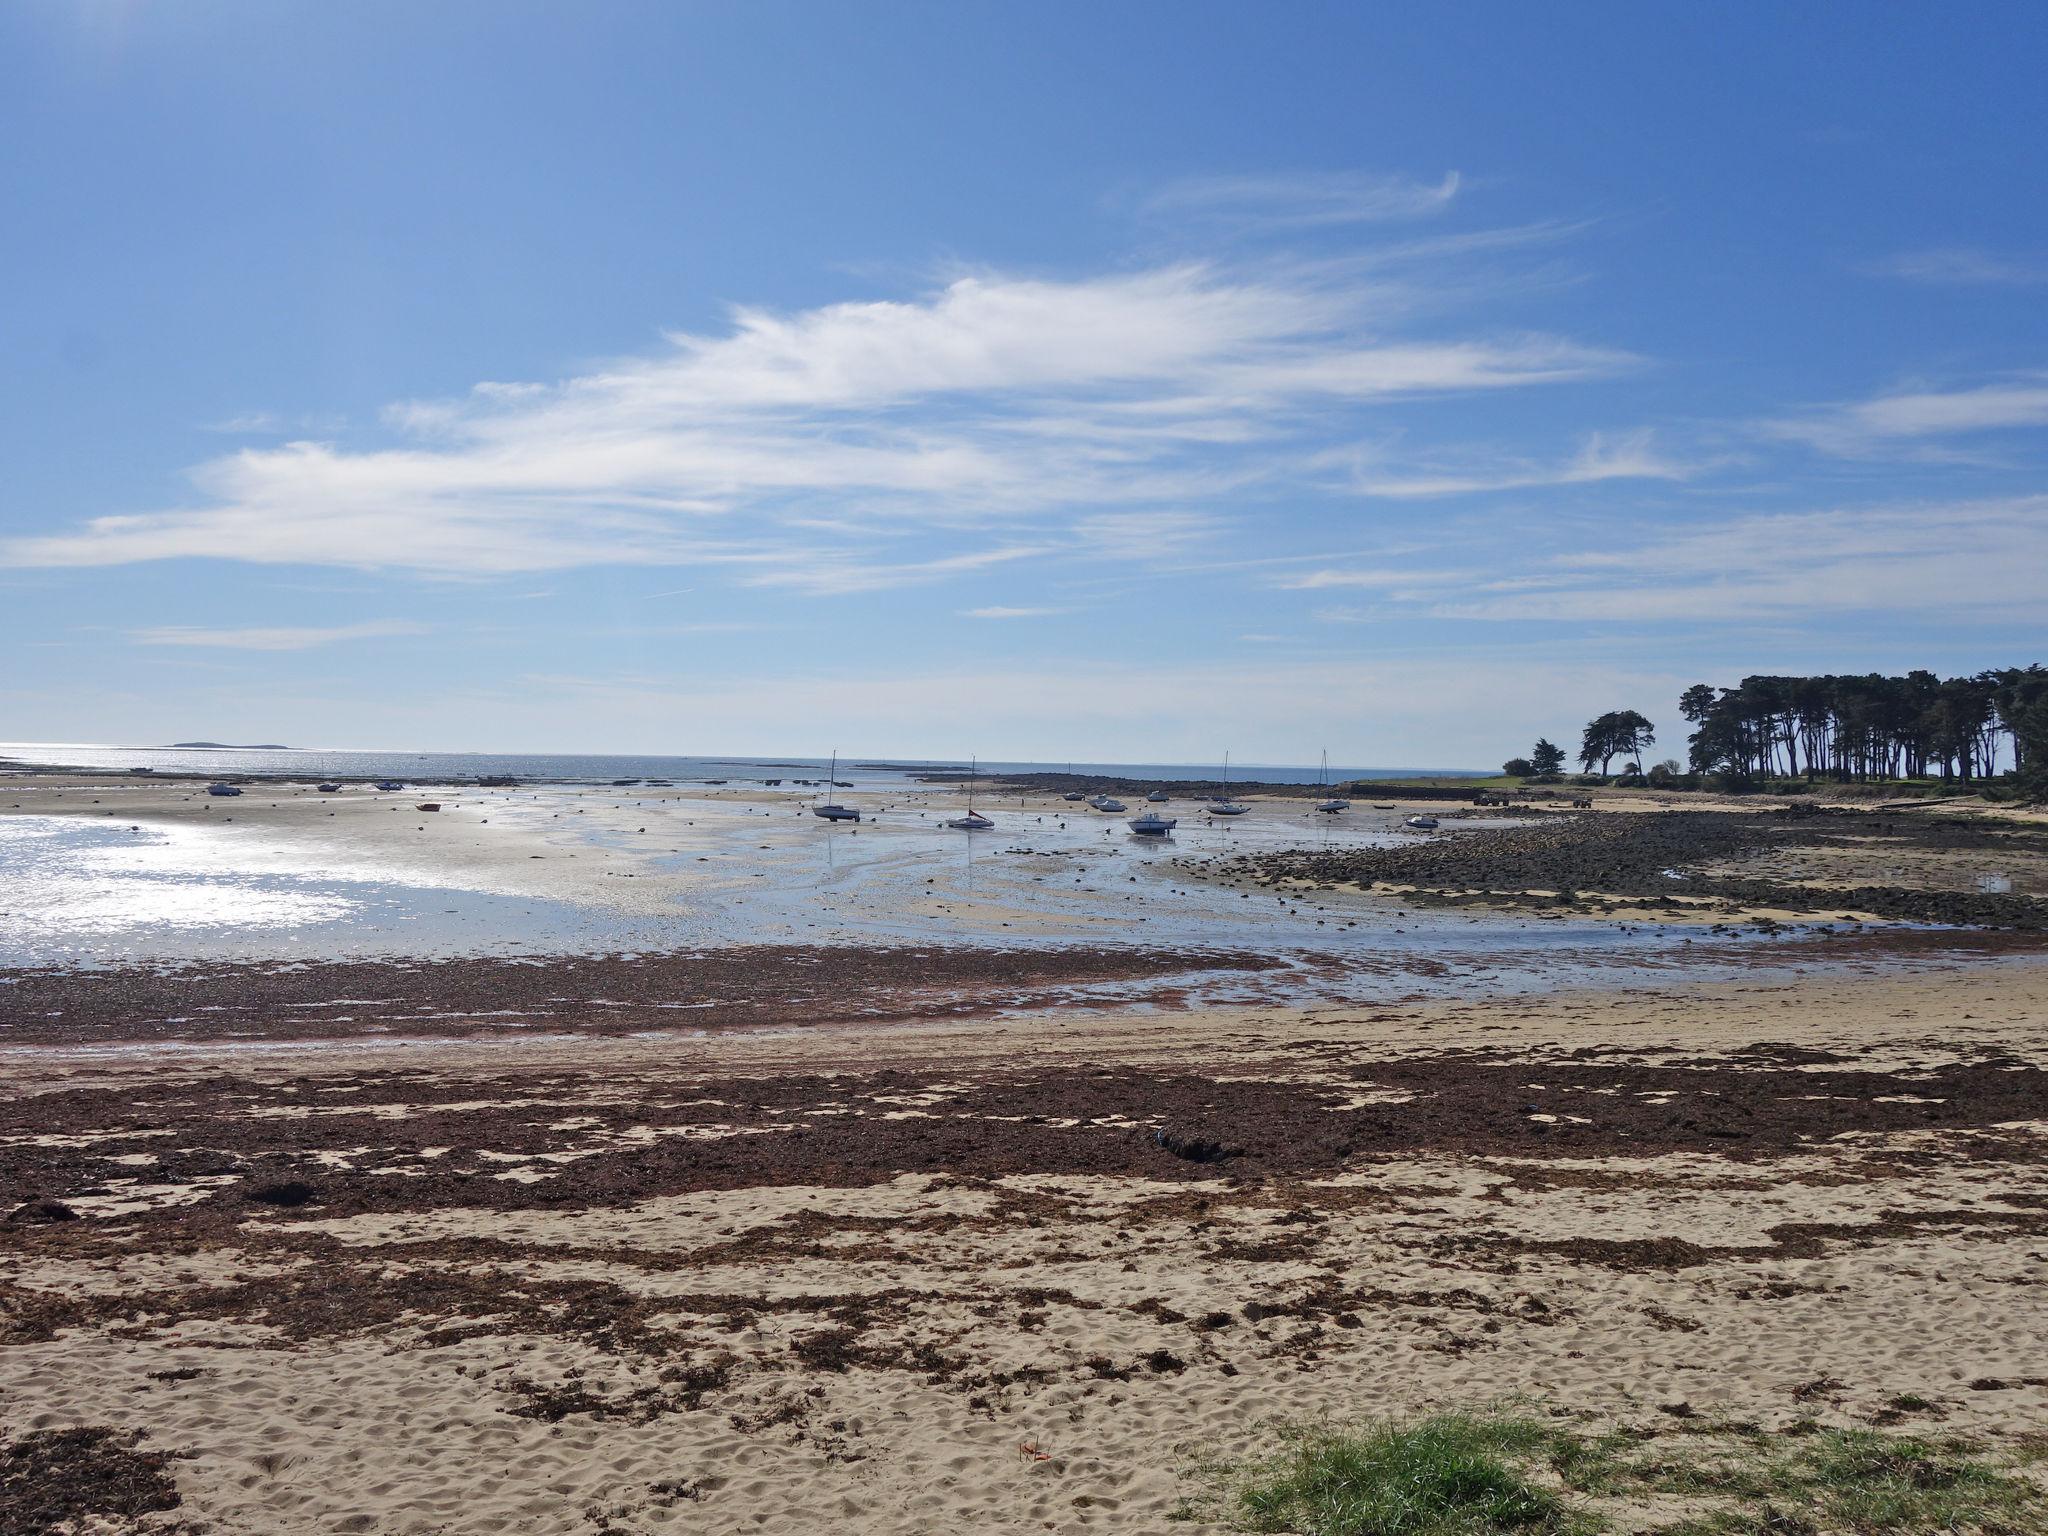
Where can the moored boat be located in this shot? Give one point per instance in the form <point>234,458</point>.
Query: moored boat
<point>1333,804</point>
<point>1152,824</point>
<point>830,811</point>
<point>1223,805</point>
<point>973,821</point>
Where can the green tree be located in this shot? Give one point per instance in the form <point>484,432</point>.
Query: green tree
<point>1618,732</point>
<point>1546,757</point>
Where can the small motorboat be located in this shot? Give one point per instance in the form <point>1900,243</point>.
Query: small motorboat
<point>389,784</point>
<point>1379,807</point>
<point>1073,794</point>
<point>1423,823</point>
<point>328,789</point>
<point>222,789</point>
<point>1158,797</point>
<point>1107,803</point>
<point>1152,824</point>
<point>428,805</point>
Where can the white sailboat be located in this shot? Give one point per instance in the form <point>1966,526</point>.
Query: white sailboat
<point>1072,794</point>
<point>1223,805</point>
<point>831,811</point>
<point>973,821</point>
<point>1330,807</point>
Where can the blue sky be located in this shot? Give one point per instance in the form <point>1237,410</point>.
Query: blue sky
<point>1041,381</point>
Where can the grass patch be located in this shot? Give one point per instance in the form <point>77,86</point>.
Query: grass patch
<point>1478,1474</point>
<point>1446,1475</point>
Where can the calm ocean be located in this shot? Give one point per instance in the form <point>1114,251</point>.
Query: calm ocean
<point>582,768</point>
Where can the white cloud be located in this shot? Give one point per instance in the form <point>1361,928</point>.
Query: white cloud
<point>993,402</point>
<point>1964,266</point>
<point>1966,562</point>
<point>1916,417</point>
<point>294,638</point>
<point>1307,198</point>
<point>830,572</point>
<point>1376,578</point>
<point>1632,456</point>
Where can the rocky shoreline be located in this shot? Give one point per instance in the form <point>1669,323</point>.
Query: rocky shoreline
<point>1681,858</point>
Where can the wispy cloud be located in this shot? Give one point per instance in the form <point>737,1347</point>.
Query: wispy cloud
<point>785,445</point>
<point>1633,456</point>
<point>276,639</point>
<point>1910,564</point>
<point>1914,419</point>
<point>1964,266</point>
<point>1376,578</point>
<point>833,572</point>
<point>1304,199</point>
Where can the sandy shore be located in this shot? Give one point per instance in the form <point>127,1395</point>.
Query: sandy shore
<point>774,1282</point>
<point>986,1231</point>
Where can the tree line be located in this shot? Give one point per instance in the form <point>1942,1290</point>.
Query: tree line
<point>1848,728</point>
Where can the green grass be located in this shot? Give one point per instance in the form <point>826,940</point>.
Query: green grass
<point>1447,1475</point>
<point>1501,1474</point>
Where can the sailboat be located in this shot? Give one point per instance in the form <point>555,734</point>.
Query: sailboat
<point>973,821</point>
<point>1072,794</point>
<point>1224,805</point>
<point>1331,806</point>
<point>830,811</point>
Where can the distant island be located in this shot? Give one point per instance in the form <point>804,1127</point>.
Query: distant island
<point>229,746</point>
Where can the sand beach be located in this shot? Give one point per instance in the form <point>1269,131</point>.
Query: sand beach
<point>1007,1233</point>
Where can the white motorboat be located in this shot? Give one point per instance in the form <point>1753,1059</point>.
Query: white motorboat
<point>1423,823</point>
<point>389,784</point>
<point>222,789</point>
<point>1223,805</point>
<point>973,821</point>
<point>1333,805</point>
<point>1107,803</point>
<point>1159,797</point>
<point>328,789</point>
<point>1152,824</point>
<point>829,811</point>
